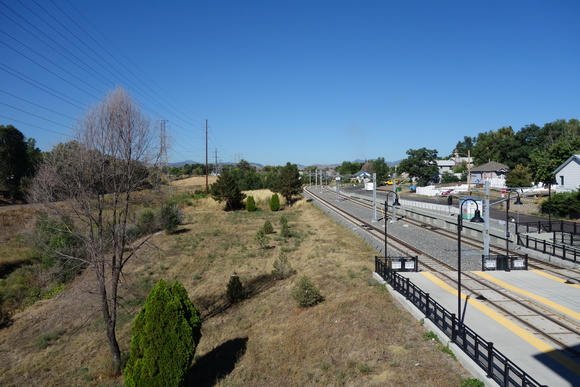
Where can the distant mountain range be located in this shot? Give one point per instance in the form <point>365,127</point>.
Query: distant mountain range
<point>300,166</point>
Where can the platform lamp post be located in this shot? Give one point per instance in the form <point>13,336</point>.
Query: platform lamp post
<point>518,202</point>
<point>476,219</point>
<point>395,204</point>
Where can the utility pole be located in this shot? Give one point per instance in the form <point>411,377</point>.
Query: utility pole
<point>163,145</point>
<point>206,163</point>
<point>215,166</point>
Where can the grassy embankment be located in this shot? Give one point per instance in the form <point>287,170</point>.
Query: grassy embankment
<point>357,336</point>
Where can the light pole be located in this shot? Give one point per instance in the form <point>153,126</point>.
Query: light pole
<point>518,202</point>
<point>476,219</point>
<point>395,204</point>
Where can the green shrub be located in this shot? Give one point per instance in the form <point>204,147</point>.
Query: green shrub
<point>275,203</point>
<point>305,293</point>
<point>164,338</point>
<point>285,231</point>
<point>472,383</point>
<point>250,204</point>
<point>235,291</point>
<point>268,228</point>
<point>282,267</point>
<point>563,205</point>
<point>147,222</point>
<point>56,238</point>
<point>170,217</point>
<point>261,239</point>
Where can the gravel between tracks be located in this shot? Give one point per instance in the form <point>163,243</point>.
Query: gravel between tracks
<point>442,248</point>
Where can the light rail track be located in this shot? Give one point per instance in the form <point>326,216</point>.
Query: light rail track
<point>559,330</point>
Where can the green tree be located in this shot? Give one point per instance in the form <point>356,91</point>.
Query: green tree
<point>289,183</point>
<point>261,239</point>
<point>15,162</point>
<point>465,146</point>
<point>381,168</point>
<point>250,204</point>
<point>282,267</point>
<point>495,146</point>
<point>268,228</point>
<point>225,189</point>
<point>349,168</point>
<point>274,202</point>
<point>448,177</point>
<point>165,335</point>
<point>520,176</point>
<point>420,165</point>
<point>305,293</point>
<point>235,290</point>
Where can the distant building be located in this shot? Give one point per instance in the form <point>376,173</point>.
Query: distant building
<point>568,174</point>
<point>361,176</point>
<point>493,172</point>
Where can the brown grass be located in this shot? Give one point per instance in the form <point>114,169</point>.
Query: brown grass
<point>357,336</point>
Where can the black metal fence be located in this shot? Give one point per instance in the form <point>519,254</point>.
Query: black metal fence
<point>548,247</point>
<point>497,366</point>
<point>504,262</point>
<point>549,226</point>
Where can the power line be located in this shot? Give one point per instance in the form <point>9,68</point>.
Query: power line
<point>36,126</point>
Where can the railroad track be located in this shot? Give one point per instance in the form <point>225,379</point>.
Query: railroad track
<point>558,329</point>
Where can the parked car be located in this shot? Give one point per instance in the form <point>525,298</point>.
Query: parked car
<point>447,192</point>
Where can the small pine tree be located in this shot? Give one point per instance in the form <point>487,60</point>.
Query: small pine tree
<point>165,335</point>
<point>275,203</point>
<point>261,239</point>
<point>268,228</point>
<point>305,293</point>
<point>235,290</point>
<point>250,204</point>
<point>285,232</point>
<point>282,267</point>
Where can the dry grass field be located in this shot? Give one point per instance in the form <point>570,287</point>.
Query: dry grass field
<point>358,336</point>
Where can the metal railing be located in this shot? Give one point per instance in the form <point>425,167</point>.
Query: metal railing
<point>548,247</point>
<point>496,365</point>
<point>549,226</point>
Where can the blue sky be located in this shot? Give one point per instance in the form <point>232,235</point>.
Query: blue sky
<point>310,82</point>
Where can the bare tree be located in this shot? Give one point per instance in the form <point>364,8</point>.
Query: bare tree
<point>93,179</point>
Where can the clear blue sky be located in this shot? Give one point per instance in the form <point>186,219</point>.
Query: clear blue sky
<point>302,81</point>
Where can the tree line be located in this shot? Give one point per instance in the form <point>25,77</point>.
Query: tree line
<point>532,154</point>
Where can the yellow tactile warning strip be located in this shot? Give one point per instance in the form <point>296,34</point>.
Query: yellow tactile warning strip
<point>554,353</point>
<point>540,272</point>
<point>531,295</point>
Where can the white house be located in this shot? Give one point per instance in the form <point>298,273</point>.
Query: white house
<point>568,174</point>
<point>451,164</point>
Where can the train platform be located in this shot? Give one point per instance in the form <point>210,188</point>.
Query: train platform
<point>547,363</point>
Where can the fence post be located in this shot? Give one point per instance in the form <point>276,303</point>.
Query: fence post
<point>453,328</point>
<point>489,359</point>
<point>427,299</point>
<point>506,374</point>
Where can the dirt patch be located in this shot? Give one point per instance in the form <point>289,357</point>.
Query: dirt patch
<point>192,183</point>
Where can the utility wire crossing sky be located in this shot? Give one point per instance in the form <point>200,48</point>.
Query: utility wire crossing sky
<point>309,82</point>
